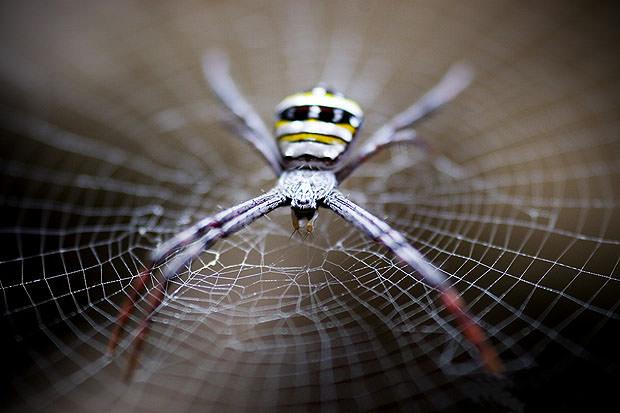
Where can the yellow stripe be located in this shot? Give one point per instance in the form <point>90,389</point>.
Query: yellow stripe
<point>313,137</point>
<point>342,125</point>
<point>331,96</point>
<point>346,126</point>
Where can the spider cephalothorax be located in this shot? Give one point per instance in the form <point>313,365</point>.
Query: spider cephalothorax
<point>305,189</point>
<point>313,130</point>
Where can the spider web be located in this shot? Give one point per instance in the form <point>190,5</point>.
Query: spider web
<point>111,144</point>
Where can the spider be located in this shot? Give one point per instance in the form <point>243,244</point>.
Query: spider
<point>310,155</point>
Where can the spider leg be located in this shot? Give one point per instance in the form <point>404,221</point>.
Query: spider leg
<point>373,147</point>
<point>248,123</point>
<point>271,202</point>
<point>396,242</point>
<point>397,129</point>
<point>179,241</point>
<point>232,221</point>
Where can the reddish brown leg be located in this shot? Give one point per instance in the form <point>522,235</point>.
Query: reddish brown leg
<point>137,286</point>
<point>472,331</point>
<point>396,242</point>
<point>154,302</point>
<point>180,241</point>
<point>192,242</point>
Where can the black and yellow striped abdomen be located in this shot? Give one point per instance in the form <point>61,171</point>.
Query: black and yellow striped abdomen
<point>316,125</point>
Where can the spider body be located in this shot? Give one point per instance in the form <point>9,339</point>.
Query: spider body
<point>304,189</point>
<point>314,131</point>
<point>315,128</point>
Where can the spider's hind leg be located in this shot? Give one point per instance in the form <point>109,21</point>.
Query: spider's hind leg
<point>399,128</point>
<point>248,123</point>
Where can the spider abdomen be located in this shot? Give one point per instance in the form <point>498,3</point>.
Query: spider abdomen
<point>316,127</point>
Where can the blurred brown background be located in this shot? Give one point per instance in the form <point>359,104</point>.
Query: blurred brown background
<point>111,142</point>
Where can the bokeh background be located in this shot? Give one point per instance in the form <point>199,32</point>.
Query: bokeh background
<point>110,143</point>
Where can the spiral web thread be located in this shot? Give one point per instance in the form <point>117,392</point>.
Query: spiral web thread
<point>111,144</point>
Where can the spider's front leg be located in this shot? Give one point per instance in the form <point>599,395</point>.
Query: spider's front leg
<point>396,242</point>
<point>191,242</point>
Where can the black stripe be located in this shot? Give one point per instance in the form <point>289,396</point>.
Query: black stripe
<point>326,114</point>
